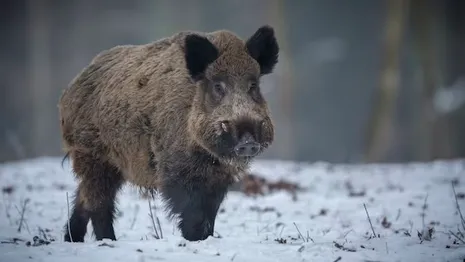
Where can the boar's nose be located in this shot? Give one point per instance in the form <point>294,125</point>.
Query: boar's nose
<point>247,147</point>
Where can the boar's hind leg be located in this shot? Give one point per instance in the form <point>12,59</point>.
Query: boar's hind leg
<point>95,198</point>
<point>196,205</point>
<point>77,221</point>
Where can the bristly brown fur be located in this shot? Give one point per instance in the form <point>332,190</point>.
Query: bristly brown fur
<point>149,115</point>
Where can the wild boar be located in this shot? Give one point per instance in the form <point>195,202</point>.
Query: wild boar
<point>182,116</point>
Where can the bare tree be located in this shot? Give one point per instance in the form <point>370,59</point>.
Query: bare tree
<point>381,128</point>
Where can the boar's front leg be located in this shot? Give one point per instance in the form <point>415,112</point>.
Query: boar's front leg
<point>195,203</point>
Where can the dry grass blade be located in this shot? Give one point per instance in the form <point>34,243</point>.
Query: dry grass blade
<point>7,209</point>
<point>136,211</point>
<point>424,207</point>
<point>153,218</point>
<point>157,236</point>
<point>458,207</point>
<point>458,238</point>
<point>300,234</point>
<point>69,227</point>
<point>23,210</point>
<point>159,227</point>
<point>341,247</point>
<point>369,220</point>
<point>309,238</point>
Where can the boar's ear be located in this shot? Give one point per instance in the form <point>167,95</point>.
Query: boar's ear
<point>199,52</point>
<point>263,47</point>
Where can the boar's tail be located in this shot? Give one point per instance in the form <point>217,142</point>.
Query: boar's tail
<point>64,158</point>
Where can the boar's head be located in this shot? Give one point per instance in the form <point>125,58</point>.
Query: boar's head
<point>229,116</point>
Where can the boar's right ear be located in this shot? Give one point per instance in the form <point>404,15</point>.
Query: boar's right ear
<point>263,47</point>
<point>199,52</point>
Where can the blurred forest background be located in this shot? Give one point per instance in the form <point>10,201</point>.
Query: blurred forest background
<point>358,81</point>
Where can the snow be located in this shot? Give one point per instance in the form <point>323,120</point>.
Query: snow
<point>396,192</point>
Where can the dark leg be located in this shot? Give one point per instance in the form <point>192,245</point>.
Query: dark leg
<point>100,182</point>
<point>77,221</point>
<point>196,205</point>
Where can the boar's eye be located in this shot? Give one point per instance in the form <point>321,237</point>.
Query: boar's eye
<point>252,86</point>
<point>218,90</point>
<point>254,92</point>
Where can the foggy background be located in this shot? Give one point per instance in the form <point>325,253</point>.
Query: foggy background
<point>357,81</point>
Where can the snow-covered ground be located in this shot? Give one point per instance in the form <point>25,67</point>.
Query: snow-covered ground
<point>330,216</point>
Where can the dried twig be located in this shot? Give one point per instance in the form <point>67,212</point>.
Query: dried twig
<point>136,211</point>
<point>341,247</point>
<point>458,207</point>
<point>424,207</point>
<point>159,227</point>
<point>410,222</point>
<point>12,241</point>
<point>7,209</point>
<point>308,237</point>
<point>338,259</point>
<point>302,236</point>
<point>459,238</point>
<point>398,214</point>
<point>42,232</point>
<point>369,220</point>
<point>23,210</point>
<point>281,232</point>
<point>69,227</point>
<point>345,235</point>
<point>24,220</point>
<point>157,235</point>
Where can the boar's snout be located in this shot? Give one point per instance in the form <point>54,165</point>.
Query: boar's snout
<point>242,136</point>
<point>247,147</point>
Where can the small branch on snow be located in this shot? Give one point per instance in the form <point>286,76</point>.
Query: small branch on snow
<point>69,227</point>
<point>341,247</point>
<point>7,209</point>
<point>14,240</point>
<point>369,220</point>
<point>281,232</point>
<point>338,259</point>
<point>458,238</point>
<point>152,217</point>
<point>159,227</point>
<point>460,232</point>
<point>263,228</point>
<point>387,249</point>
<point>458,207</point>
<point>24,221</point>
<point>398,214</point>
<point>345,235</point>
<point>308,237</point>
<point>42,232</point>
<point>302,236</point>
<point>136,211</point>
<point>23,210</point>
<point>424,207</point>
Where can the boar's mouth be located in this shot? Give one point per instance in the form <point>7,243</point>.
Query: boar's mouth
<point>239,139</point>
<point>247,147</point>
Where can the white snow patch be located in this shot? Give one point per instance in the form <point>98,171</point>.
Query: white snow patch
<point>448,100</point>
<point>396,192</point>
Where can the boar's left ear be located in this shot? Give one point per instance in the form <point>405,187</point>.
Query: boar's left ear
<point>199,52</point>
<point>263,47</point>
